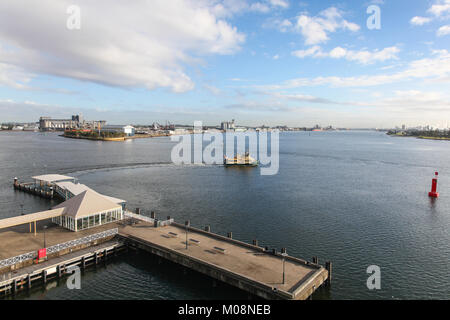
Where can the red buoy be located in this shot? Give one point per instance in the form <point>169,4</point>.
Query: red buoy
<point>433,193</point>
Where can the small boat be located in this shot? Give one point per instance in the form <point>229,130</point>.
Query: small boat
<point>240,160</point>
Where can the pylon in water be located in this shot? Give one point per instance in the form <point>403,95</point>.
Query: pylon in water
<point>433,193</point>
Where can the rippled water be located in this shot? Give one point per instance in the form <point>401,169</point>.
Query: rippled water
<point>355,198</point>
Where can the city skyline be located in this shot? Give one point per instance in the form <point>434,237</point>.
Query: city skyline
<point>271,62</point>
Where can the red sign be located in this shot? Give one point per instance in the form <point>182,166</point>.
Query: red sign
<point>42,253</point>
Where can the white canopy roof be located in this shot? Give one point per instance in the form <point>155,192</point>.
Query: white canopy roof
<point>87,203</point>
<point>77,188</point>
<point>28,218</point>
<point>52,177</point>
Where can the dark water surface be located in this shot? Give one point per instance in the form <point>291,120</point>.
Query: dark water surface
<point>355,198</point>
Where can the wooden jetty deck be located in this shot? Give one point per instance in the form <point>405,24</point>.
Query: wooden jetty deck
<point>24,278</point>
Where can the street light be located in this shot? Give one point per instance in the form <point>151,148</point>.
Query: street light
<point>45,243</point>
<point>284,254</point>
<point>187,223</point>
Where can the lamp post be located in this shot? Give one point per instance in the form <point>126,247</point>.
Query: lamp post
<point>187,223</point>
<point>45,243</point>
<point>284,254</point>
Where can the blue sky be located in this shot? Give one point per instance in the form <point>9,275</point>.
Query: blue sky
<point>296,63</point>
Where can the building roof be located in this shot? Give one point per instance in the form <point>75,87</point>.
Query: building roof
<point>52,178</point>
<point>77,188</point>
<point>28,218</point>
<point>87,203</point>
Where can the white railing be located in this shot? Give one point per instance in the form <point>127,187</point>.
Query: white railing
<point>138,216</point>
<point>87,239</point>
<point>18,259</point>
<point>160,223</point>
<point>56,248</point>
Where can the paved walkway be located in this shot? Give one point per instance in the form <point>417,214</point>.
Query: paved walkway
<point>253,264</point>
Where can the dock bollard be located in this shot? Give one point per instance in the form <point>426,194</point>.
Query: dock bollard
<point>230,235</point>
<point>208,228</point>
<point>329,268</point>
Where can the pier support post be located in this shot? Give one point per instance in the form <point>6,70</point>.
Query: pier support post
<point>208,228</point>
<point>58,269</point>
<point>329,268</point>
<point>255,242</point>
<point>105,255</point>
<point>187,223</point>
<point>44,276</point>
<point>29,281</point>
<point>96,258</point>
<point>14,286</point>
<point>83,262</point>
<point>230,235</point>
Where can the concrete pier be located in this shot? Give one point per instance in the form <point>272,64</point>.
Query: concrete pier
<point>245,266</point>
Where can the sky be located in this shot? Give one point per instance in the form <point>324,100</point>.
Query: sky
<point>354,63</point>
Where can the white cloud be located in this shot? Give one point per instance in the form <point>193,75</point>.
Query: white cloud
<point>362,56</point>
<point>212,89</point>
<point>441,7</point>
<point>443,31</point>
<point>279,3</point>
<point>434,69</point>
<point>316,29</point>
<point>420,21</point>
<point>229,8</point>
<point>146,44</point>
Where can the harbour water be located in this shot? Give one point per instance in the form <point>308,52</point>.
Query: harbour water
<point>356,198</point>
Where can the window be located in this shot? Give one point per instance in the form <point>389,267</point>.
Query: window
<point>79,224</point>
<point>96,220</point>
<point>91,221</point>
<point>103,218</point>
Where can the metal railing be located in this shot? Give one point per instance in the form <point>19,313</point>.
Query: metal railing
<point>159,223</point>
<point>56,248</point>
<point>138,216</point>
<point>87,239</point>
<point>18,259</point>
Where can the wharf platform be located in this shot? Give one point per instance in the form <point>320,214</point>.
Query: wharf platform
<point>265,273</point>
<point>245,266</point>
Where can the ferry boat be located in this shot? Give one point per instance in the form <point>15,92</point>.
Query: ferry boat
<point>240,160</point>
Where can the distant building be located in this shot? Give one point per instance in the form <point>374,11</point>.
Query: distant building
<point>76,122</point>
<point>228,125</point>
<point>128,130</point>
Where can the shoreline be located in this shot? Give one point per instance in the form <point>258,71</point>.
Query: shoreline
<point>421,137</point>
<point>116,139</point>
